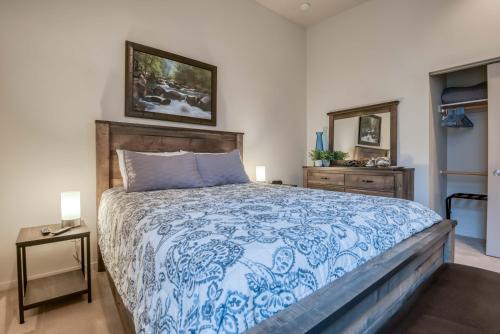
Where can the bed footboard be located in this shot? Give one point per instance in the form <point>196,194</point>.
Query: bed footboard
<point>363,300</point>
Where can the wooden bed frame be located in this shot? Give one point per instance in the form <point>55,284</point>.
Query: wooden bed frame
<point>359,302</point>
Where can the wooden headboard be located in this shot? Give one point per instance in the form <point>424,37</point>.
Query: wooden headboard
<point>152,138</point>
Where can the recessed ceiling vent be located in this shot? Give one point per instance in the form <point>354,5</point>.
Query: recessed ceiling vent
<point>305,6</point>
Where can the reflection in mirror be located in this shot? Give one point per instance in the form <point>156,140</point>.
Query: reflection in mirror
<point>363,137</point>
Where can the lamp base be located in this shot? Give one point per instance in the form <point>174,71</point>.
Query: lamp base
<point>71,223</point>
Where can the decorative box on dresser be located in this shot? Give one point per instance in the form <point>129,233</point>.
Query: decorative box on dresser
<point>388,182</point>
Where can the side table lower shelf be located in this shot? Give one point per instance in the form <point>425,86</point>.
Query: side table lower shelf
<point>52,288</point>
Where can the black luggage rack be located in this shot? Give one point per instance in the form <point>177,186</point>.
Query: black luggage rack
<point>477,197</point>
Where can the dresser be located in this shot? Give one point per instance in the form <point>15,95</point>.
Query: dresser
<point>390,182</point>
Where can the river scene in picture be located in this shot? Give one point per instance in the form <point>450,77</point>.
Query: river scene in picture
<point>170,87</point>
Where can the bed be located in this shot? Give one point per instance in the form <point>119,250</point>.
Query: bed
<point>251,257</point>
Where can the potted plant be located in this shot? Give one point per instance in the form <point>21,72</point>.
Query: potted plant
<point>339,155</point>
<point>326,158</point>
<point>316,157</point>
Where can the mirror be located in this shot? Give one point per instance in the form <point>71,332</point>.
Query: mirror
<point>363,135</point>
<point>365,132</point>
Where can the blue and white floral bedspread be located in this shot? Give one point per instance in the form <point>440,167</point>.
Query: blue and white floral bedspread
<point>222,259</point>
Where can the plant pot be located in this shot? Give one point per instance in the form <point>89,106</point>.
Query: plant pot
<point>326,163</point>
<point>318,163</point>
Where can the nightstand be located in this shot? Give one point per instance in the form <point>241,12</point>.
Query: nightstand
<point>280,183</point>
<point>39,291</point>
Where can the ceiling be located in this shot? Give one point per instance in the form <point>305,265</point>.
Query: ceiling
<point>319,10</point>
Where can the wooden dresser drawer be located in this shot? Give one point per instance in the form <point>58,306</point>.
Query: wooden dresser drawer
<point>370,192</point>
<point>326,187</point>
<point>370,182</point>
<point>325,178</point>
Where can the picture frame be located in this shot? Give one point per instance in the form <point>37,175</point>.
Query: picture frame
<point>369,132</point>
<point>165,86</point>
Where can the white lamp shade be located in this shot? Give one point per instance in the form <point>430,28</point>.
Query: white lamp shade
<point>70,205</point>
<point>260,173</point>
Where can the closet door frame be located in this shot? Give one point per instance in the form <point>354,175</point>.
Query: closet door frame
<point>493,225</point>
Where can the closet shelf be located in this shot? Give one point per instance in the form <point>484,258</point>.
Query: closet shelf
<point>463,173</point>
<point>469,106</point>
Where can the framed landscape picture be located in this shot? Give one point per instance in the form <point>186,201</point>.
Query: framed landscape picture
<point>165,86</point>
<point>369,130</point>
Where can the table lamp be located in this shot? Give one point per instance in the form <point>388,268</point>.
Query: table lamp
<point>70,209</point>
<point>260,173</point>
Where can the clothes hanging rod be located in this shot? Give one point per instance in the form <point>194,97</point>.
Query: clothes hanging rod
<point>465,103</point>
<point>469,106</point>
<point>463,173</point>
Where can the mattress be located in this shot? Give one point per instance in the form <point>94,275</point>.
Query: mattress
<point>222,259</point>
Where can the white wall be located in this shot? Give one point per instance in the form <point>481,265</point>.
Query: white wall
<point>384,50</point>
<point>62,67</point>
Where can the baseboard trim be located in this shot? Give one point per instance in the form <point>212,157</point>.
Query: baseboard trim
<point>7,285</point>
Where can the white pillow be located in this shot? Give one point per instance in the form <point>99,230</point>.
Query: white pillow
<point>121,161</point>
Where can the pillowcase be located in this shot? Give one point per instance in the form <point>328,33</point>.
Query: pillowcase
<point>121,162</point>
<point>221,168</point>
<point>157,172</point>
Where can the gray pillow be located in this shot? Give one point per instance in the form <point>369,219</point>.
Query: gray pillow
<point>155,172</point>
<point>221,168</point>
<point>121,163</point>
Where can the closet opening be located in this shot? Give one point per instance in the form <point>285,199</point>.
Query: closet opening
<point>459,148</point>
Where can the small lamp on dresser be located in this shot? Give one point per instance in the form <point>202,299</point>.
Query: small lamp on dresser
<point>260,173</point>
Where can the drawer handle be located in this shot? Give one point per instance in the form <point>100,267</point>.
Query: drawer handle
<point>367,181</point>
<point>324,178</point>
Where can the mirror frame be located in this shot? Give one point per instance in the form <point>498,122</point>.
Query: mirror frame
<point>390,107</point>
